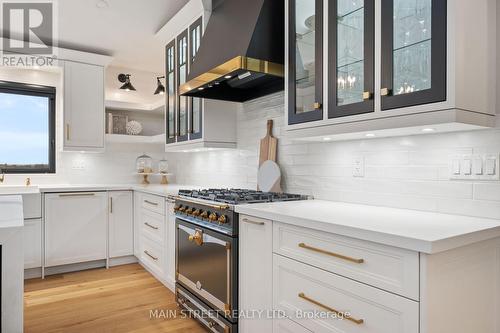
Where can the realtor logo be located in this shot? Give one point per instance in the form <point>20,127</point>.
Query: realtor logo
<point>28,27</point>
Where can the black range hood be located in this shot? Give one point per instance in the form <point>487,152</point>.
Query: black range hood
<point>241,55</point>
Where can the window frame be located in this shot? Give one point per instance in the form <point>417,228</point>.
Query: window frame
<point>41,91</point>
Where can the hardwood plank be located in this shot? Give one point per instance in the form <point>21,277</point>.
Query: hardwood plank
<point>117,300</point>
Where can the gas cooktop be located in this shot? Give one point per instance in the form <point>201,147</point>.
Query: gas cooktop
<point>240,196</point>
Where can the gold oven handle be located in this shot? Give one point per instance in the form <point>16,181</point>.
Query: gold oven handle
<point>333,254</point>
<point>327,308</point>
<point>197,238</point>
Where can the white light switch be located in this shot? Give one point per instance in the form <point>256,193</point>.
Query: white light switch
<point>455,166</point>
<point>477,165</point>
<point>490,166</point>
<point>466,166</point>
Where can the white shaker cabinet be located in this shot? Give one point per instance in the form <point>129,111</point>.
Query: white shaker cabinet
<point>32,233</point>
<point>170,242</point>
<point>83,107</point>
<point>75,227</point>
<point>121,224</point>
<point>255,272</point>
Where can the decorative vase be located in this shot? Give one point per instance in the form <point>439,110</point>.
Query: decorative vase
<point>134,127</point>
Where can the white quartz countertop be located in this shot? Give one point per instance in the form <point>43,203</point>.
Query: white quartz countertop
<point>425,232</point>
<point>156,189</point>
<point>11,211</point>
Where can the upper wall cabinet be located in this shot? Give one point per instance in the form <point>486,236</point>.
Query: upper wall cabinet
<point>83,106</point>
<point>389,67</point>
<point>193,123</point>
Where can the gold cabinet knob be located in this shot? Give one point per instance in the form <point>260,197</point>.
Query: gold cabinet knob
<point>367,95</point>
<point>204,214</point>
<point>212,217</point>
<point>222,219</point>
<point>318,105</point>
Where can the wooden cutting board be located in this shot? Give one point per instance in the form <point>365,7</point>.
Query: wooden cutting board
<point>268,145</point>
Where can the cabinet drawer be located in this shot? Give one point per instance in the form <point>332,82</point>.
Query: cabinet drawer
<point>152,225</point>
<point>152,255</point>
<point>302,289</point>
<point>153,203</point>
<point>32,206</point>
<point>285,325</point>
<point>389,268</point>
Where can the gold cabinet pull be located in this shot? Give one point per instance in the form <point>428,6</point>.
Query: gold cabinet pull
<point>385,91</point>
<point>333,254</point>
<point>77,195</point>
<point>367,95</point>
<point>252,222</point>
<point>317,105</point>
<point>327,308</point>
<point>151,226</point>
<point>151,256</point>
<point>151,203</point>
<point>67,132</point>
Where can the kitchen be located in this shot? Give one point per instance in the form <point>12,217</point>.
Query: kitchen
<point>194,169</point>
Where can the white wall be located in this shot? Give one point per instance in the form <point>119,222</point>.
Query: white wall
<point>407,172</point>
<point>115,165</point>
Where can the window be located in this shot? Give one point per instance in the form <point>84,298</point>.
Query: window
<point>27,128</point>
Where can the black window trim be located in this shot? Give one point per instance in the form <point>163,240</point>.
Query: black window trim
<point>42,91</point>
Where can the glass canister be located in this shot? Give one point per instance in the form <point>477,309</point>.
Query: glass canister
<point>163,166</point>
<point>144,164</point>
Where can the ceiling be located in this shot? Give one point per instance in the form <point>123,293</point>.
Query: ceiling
<point>124,29</point>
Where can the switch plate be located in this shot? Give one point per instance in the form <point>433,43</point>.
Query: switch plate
<point>474,167</point>
<point>358,166</point>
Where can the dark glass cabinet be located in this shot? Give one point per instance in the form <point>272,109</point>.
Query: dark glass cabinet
<point>184,114</point>
<point>412,64</point>
<point>171,93</point>
<point>413,52</point>
<point>305,59</point>
<point>351,53</point>
<point>196,105</point>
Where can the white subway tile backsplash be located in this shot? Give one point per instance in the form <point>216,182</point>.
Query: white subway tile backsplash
<point>404,172</point>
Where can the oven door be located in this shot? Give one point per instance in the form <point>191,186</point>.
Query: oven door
<point>207,266</point>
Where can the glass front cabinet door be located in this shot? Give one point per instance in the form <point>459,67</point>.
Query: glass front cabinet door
<point>182,101</point>
<point>351,70</point>
<point>171,96</point>
<point>305,60</point>
<point>413,46</point>
<point>196,105</point>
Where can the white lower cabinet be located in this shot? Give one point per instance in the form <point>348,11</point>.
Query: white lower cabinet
<point>32,243</point>
<point>121,224</point>
<point>170,243</point>
<point>307,294</point>
<point>75,227</point>
<point>285,325</point>
<point>255,272</point>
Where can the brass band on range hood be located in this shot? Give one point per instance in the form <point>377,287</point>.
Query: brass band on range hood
<point>237,63</point>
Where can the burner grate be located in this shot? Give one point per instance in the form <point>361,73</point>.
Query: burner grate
<point>240,196</point>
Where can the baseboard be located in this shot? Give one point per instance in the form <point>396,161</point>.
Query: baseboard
<point>32,273</point>
<point>75,267</point>
<point>122,261</point>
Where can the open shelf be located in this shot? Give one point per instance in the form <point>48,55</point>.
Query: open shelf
<point>122,138</point>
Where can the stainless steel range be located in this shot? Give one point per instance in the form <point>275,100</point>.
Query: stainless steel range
<point>207,252</point>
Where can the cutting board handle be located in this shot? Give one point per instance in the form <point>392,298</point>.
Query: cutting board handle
<point>270,127</point>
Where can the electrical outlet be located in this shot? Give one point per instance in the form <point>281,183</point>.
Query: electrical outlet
<point>358,166</point>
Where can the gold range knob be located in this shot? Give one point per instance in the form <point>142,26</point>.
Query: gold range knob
<point>212,217</point>
<point>222,219</point>
<point>176,208</point>
<point>182,208</point>
<point>204,214</point>
<point>196,212</point>
<point>189,211</point>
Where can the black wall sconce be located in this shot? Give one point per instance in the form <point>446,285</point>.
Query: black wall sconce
<point>125,79</point>
<point>160,89</point>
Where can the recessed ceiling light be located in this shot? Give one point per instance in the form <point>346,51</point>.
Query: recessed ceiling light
<point>327,139</point>
<point>370,135</point>
<point>427,130</point>
<point>101,4</point>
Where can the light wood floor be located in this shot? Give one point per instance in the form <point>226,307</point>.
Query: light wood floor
<point>117,300</point>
